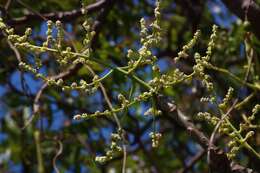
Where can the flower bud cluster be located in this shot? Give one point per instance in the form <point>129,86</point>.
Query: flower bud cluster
<point>206,116</point>
<point>255,110</point>
<point>155,139</point>
<point>239,137</point>
<point>203,62</point>
<point>88,37</point>
<point>238,140</point>
<point>153,111</point>
<point>95,114</point>
<point>235,143</point>
<point>144,31</point>
<point>82,86</point>
<point>17,39</point>
<point>167,80</point>
<point>2,25</point>
<point>155,37</point>
<point>65,57</point>
<point>187,47</point>
<point>49,39</point>
<point>27,67</point>
<point>124,105</point>
<point>157,31</point>
<point>145,95</point>
<point>234,149</point>
<point>227,98</point>
<point>144,54</point>
<point>60,34</point>
<point>248,124</point>
<point>211,44</point>
<point>199,69</point>
<point>124,102</point>
<point>114,150</point>
<point>210,99</point>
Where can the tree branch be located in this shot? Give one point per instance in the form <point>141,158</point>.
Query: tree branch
<point>246,9</point>
<point>62,16</point>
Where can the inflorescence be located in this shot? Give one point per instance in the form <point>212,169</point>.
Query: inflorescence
<point>239,137</point>
<point>151,36</point>
<point>114,150</point>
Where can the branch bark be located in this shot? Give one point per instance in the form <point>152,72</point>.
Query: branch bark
<point>246,9</point>
<point>62,15</point>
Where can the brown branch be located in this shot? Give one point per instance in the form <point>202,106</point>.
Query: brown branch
<point>7,4</point>
<point>59,152</point>
<point>62,15</point>
<point>246,9</point>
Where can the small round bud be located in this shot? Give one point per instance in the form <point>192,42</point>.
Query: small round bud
<point>77,117</point>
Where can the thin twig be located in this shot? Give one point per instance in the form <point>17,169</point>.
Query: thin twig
<point>24,85</point>
<point>17,54</point>
<point>193,161</point>
<point>63,16</point>
<point>36,105</point>
<point>225,71</point>
<point>7,5</point>
<point>56,156</point>
<point>114,115</point>
<point>38,152</point>
<point>244,101</point>
<point>31,9</point>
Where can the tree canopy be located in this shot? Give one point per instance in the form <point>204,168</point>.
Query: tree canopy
<point>145,86</point>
